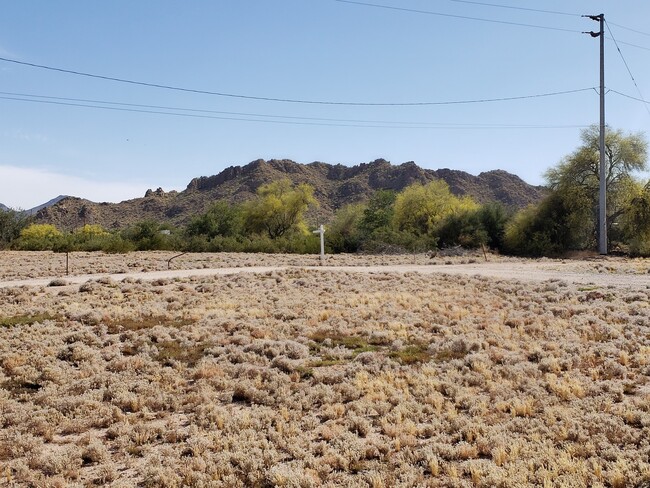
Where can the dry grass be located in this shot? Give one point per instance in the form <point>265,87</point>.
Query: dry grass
<point>323,378</point>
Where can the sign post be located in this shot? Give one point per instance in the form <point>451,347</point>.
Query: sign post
<point>321,231</point>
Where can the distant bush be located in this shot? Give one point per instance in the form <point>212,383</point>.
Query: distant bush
<point>11,224</point>
<point>39,237</point>
<point>548,229</point>
<point>484,226</point>
<point>149,235</point>
<point>343,233</point>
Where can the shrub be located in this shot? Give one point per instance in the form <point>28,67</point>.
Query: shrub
<point>39,237</point>
<point>11,224</point>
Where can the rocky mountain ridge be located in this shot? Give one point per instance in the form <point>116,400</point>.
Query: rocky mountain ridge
<point>335,186</point>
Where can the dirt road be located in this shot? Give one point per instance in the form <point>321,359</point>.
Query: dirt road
<point>524,271</point>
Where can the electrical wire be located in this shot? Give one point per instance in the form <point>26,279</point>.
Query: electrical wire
<point>627,67</point>
<point>629,29</point>
<point>152,109</point>
<point>630,44</point>
<point>464,17</point>
<point>629,96</point>
<point>485,4</point>
<point>289,100</point>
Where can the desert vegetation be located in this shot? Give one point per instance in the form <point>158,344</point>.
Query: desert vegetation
<point>304,377</point>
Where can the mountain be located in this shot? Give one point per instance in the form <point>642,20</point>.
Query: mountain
<point>335,186</point>
<point>49,203</point>
<point>34,210</point>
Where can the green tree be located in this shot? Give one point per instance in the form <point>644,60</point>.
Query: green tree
<point>635,223</point>
<point>378,213</point>
<point>343,233</point>
<point>40,231</point>
<point>221,219</point>
<point>577,180</point>
<point>39,237</point>
<point>420,208</point>
<point>11,223</point>
<point>545,229</point>
<point>279,208</point>
<point>89,231</point>
<point>149,235</point>
<point>484,226</point>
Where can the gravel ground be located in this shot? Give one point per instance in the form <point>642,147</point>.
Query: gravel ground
<point>42,268</point>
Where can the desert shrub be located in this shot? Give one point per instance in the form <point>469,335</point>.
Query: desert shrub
<point>11,224</point>
<point>548,229</point>
<point>474,228</point>
<point>149,235</point>
<point>278,209</point>
<point>639,246</point>
<point>343,233</point>
<point>391,241</point>
<point>420,208</point>
<point>39,237</point>
<point>221,219</point>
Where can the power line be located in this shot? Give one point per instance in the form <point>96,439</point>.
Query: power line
<point>289,100</point>
<point>464,17</point>
<point>629,96</point>
<point>629,29</point>
<point>630,44</point>
<point>627,67</point>
<point>151,109</point>
<point>485,4</point>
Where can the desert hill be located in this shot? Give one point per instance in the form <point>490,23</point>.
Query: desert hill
<point>335,186</point>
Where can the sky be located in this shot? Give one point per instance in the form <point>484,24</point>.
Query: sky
<point>247,71</point>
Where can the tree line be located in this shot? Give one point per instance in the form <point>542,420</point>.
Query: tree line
<point>421,217</point>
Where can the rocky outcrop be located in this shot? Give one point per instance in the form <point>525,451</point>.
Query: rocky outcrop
<point>334,186</point>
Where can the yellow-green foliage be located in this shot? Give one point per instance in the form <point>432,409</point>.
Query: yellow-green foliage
<point>279,208</point>
<point>91,230</point>
<point>418,208</point>
<point>40,231</point>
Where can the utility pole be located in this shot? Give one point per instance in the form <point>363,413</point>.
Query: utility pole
<point>602,198</point>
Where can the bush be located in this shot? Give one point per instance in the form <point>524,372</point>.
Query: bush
<point>11,224</point>
<point>343,233</point>
<point>39,237</point>
<point>151,236</point>
<point>547,229</point>
<point>484,226</point>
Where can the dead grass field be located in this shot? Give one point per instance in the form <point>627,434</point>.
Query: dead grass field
<point>304,377</point>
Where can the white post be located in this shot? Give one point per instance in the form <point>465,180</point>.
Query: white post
<point>321,231</point>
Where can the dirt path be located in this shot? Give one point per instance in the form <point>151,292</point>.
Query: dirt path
<point>527,272</point>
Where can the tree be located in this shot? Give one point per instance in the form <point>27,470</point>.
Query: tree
<point>11,223</point>
<point>378,213</point>
<point>39,237</point>
<point>419,208</point>
<point>279,208</point>
<point>221,219</point>
<point>484,226</point>
<point>545,229</point>
<point>635,223</point>
<point>577,178</point>
<point>40,231</point>
<point>343,234</point>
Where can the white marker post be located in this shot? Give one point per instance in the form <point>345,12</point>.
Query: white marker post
<point>321,231</point>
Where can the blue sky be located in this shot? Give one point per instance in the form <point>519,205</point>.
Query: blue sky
<point>310,50</point>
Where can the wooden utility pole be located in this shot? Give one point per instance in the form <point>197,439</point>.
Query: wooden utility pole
<point>602,197</point>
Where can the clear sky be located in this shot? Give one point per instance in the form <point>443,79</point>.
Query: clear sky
<point>306,50</point>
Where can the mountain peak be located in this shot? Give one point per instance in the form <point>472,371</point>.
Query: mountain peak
<point>335,185</point>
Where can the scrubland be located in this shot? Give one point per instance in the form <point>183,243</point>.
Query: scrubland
<point>304,377</point>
